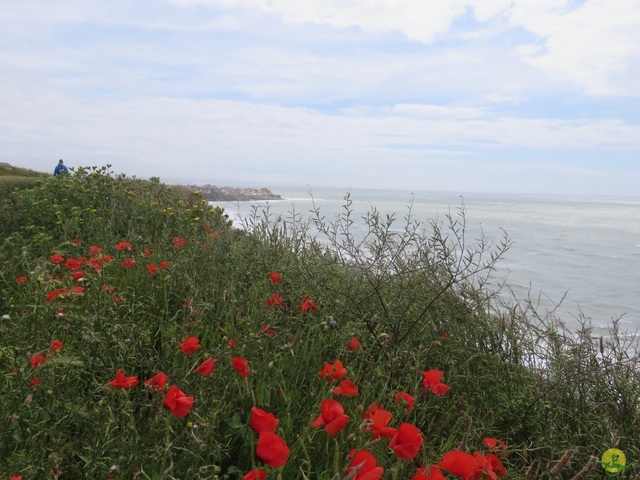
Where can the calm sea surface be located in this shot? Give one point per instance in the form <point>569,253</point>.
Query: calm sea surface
<point>585,247</point>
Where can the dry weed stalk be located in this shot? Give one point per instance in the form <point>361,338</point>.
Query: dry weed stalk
<point>562,463</point>
<point>582,474</point>
<point>532,470</point>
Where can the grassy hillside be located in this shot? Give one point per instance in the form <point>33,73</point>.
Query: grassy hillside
<point>7,170</point>
<point>14,177</point>
<point>142,336</point>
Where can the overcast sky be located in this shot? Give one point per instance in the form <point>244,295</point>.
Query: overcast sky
<point>531,96</point>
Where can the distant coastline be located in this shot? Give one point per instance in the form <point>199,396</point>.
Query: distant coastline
<point>213,193</point>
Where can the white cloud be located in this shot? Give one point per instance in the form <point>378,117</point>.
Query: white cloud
<point>596,45</point>
<point>153,136</point>
<point>485,10</point>
<point>67,11</point>
<point>421,21</point>
<point>437,111</point>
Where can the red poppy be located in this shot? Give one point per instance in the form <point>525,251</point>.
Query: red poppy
<point>272,450</point>
<point>275,300</point>
<point>176,401</point>
<point>262,421</point>
<point>93,250</point>
<point>346,387</point>
<point>164,264</point>
<point>431,379</point>
<point>147,251</point>
<point>190,345</point>
<point>129,263</point>
<point>373,408</point>
<point>332,372</point>
<point>379,419</point>
<point>56,345</point>
<point>151,268</point>
<point>38,359</point>
<point>494,466</point>
<point>76,242</point>
<point>459,463</point>
<point>241,365</point>
<point>53,294</point>
<point>122,381</point>
<point>206,367</point>
<point>158,381</point>
<point>77,276</point>
<point>15,477</point>
<point>404,397</point>
<point>123,246</point>
<point>178,242</point>
<point>354,344</point>
<point>497,445</point>
<point>59,292</point>
<point>33,382</point>
<point>366,466</point>
<point>21,280</point>
<point>308,305</point>
<point>255,474</point>
<point>73,263</point>
<point>77,290</point>
<point>407,441</point>
<point>275,277</point>
<point>107,288</point>
<point>57,258</point>
<point>107,259</point>
<point>490,465</point>
<point>268,331</point>
<point>232,343</point>
<point>429,473</point>
<point>332,416</point>
<point>95,263</point>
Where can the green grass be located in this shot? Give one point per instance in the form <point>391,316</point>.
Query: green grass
<point>416,301</point>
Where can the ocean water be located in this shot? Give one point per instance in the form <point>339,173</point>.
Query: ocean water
<point>575,255</point>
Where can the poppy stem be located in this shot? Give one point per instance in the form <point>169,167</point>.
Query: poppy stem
<point>250,391</point>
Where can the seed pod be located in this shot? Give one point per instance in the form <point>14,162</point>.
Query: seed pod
<point>582,474</point>
<point>531,471</point>
<point>562,464</point>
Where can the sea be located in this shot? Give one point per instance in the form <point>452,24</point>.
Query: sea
<point>577,257</point>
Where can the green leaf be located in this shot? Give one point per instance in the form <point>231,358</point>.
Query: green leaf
<point>236,421</point>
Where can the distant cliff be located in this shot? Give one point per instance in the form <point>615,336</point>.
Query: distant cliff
<point>214,193</point>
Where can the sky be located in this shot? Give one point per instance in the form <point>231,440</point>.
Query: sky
<point>502,96</point>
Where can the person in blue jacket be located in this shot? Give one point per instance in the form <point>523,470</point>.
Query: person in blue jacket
<point>61,169</point>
